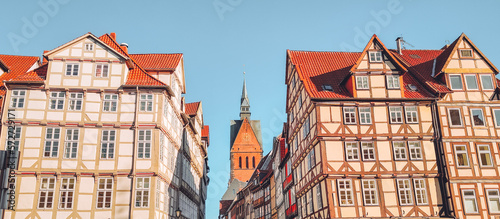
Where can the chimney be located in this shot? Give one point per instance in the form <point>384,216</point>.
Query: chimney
<point>399,40</point>
<point>124,46</point>
<point>113,35</point>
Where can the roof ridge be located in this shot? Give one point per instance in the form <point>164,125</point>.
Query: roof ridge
<point>156,53</point>
<point>322,51</point>
<point>19,55</point>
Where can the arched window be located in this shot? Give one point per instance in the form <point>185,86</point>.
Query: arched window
<point>247,161</point>
<point>253,162</point>
<point>240,162</point>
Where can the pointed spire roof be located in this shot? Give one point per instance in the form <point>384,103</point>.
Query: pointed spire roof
<point>245,102</point>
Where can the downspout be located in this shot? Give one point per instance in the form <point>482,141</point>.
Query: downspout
<point>134,147</point>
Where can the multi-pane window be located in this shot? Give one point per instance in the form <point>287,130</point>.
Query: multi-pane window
<point>396,114</point>
<point>466,53</point>
<point>471,82</point>
<point>477,117</point>
<point>352,151</point>
<point>415,150</point>
<point>486,82</point>
<point>345,192</point>
<point>456,82</point>
<point>46,197</point>
<point>362,82</point>
<point>144,149</point>
<point>52,136</point>
<point>375,56</point>
<point>142,192</point>
<point>71,143</point>
<point>461,155</point>
<point>392,81</point>
<point>72,69</point>
<point>349,115</point>
<point>484,155</point>
<point>75,101</point>
<point>404,192</point>
<point>470,202</point>
<point>158,192</point>
<point>110,102</point>
<point>399,148</point>
<point>299,101</point>
<point>66,193</point>
<point>101,70</point>
<point>104,193</point>
<point>370,192</point>
<point>146,103</point>
<point>17,99</point>
<point>312,159</point>
<point>89,47</point>
<point>368,150</point>
<point>13,139</point>
<point>411,114</point>
<point>420,191</point>
<point>493,200</point>
<point>306,128</point>
<point>57,100</point>
<point>319,198</point>
<point>496,113</point>
<point>455,117</point>
<point>108,143</point>
<point>365,115</point>
<point>162,146</point>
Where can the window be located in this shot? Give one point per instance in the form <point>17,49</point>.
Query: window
<point>469,199</point>
<point>71,143</point>
<point>142,192</point>
<point>51,142</point>
<point>17,98</point>
<point>493,200</point>
<point>496,112</point>
<point>72,69</point>
<point>365,115</point>
<point>456,82</point>
<point>486,82</point>
<point>471,82</point>
<point>306,128</point>
<point>319,198</point>
<point>246,159</point>
<point>349,115</point>
<point>396,114</point>
<point>392,81</point>
<point>57,100</point>
<point>46,198</point>
<point>352,151</point>
<point>404,192</point>
<point>108,144</point>
<point>368,150</point>
<point>461,155</point>
<point>399,148</point>
<point>162,146</point>
<point>477,117</point>
<point>466,53</point>
<point>66,193</point>
<point>415,150</point>
<point>240,162</point>
<point>411,114</point>
<point>455,117</point>
<point>299,101</point>
<point>104,193</point>
<point>345,192</point>
<point>361,82</point>
<point>144,144</point>
<point>158,191</point>
<point>375,56</point>
<point>370,192</point>
<point>146,103</point>
<point>89,47</point>
<point>16,140</point>
<point>312,159</point>
<point>420,191</point>
<point>485,155</point>
<point>253,162</point>
<point>110,102</point>
<point>101,70</point>
<point>310,201</point>
<point>75,101</point>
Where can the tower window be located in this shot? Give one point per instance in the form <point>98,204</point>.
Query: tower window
<point>240,162</point>
<point>247,162</point>
<point>253,162</point>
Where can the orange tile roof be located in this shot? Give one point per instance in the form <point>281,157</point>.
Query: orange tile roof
<point>158,61</point>
<point>17,65</point>
<point>191,108</point>
<point>205,133</point>
<point>38,74</point>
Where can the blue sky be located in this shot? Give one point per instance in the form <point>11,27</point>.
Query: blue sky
<point>218,37</point>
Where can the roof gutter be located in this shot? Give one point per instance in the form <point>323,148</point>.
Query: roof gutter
<point>373,99</point>
<point>166,87</point>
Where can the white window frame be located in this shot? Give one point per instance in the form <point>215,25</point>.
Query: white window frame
<point>392,82</point>
<point>497,118</point>
<point>394,111</point>
<point>362,82</point>
<point>71,144</point>
<point>349,114</point>
<point>465,151</point>
<point>411,114</point>
<point>144,144</point>
<point>469,197</point>
<point>415,150</point>
<point>52,142</point>
<point>399,150</point>
<point>104,70</point>
<point>466,76</point>
<point>487,152</point>
<point>108,143</point>
<point>146,103</point>
<point>419,185</point>
<point>370,194</point>
<point>376,55</point>
<point>17,99</point>
<point>46,192</point>
<point>352,152</point>
<point>450,119</point>
<point>472,117</point>
<point>483,81</point>
<point>75,101</point>
<point>346,191</point>
<point>368,149</point>
<point>461,82</point>
<point>365,117</point>
<point>110,103</point>
<point>89,47</point>
<point>462,56</point>
<point>104,193</point>
<point>67,193</point>
<point>489,200</point>
<point>56,100</point>
<point>404,192</point>
<point>16,141</point>
<point>142,194</point>
<point>72,70</point>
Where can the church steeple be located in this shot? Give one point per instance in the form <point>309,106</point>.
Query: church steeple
<point>245,102</point>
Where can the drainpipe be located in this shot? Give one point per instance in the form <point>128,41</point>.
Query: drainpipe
<point>134,147</point>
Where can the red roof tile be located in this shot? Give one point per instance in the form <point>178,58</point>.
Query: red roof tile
<point>38,74</point>
<point>192,108</point>
<point>17,65</point>
<point>157,61</point>
<point>205,133</point>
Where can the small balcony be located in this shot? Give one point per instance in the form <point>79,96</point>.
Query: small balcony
<point>288,182</point>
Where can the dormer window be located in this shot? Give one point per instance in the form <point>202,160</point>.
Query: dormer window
<point>466,53</point>
<point>89,47</point>
<point>327,87</point>
<point>375,56</point>
<point>392,81</point>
